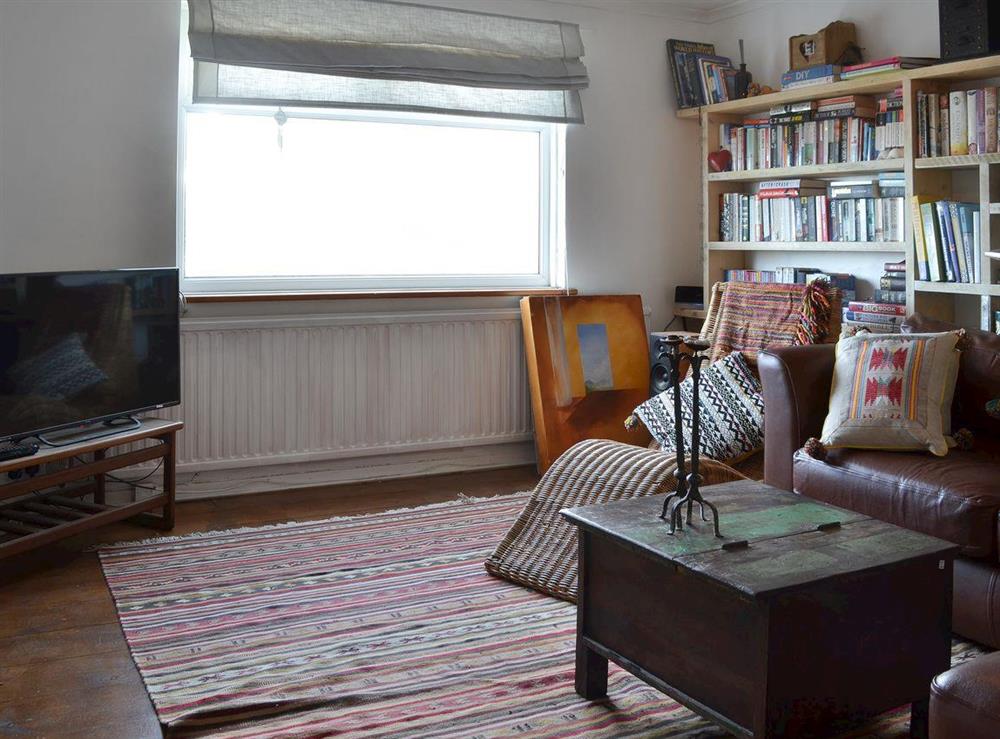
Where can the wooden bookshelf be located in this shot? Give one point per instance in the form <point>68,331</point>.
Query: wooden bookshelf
<point>813,170</point>
<point>874,247</point>
<point>974,178</point>
<point>967,161</point>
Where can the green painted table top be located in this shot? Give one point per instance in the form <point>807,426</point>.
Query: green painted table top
<point>785,548</point>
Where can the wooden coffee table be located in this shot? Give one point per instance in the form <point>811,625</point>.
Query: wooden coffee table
<point>811,616</point>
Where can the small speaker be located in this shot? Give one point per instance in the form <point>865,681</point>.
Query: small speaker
<point>659,372</point>
<point>968,28</point>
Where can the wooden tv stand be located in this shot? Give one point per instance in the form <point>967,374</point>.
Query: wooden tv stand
<point>39,509</point>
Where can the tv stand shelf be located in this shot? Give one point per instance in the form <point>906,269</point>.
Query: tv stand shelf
<point>37,510</point>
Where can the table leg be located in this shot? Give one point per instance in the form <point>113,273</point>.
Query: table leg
<point>919,714</point>
<point>591,672</point>
<point>99,479</point>
<point>170,480</point>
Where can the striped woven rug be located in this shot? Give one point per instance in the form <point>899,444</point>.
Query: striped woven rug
<point>382,625</point>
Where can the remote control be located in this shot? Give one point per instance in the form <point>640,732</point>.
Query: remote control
<point>13,451</point>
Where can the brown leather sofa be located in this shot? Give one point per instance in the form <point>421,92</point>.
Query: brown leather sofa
<point>965,701</point>
<point>955,497</point>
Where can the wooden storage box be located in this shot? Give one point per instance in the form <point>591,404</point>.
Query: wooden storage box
<point>823,47</point>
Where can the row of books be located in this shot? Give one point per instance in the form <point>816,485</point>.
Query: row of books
<point>860,210</point>
<point>821,74</point>
<point>957,123</point>
<point>847,283</point>
<point>850,128</point>
<point>946,240</point>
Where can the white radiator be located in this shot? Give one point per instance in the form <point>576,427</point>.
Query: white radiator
<point>265,391</point>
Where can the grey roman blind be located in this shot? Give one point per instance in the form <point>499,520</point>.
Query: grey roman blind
<point>385,55</point>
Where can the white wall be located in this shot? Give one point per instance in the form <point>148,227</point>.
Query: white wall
<point>88,130</point>
<point>884,28</point>
<point>87,134</point>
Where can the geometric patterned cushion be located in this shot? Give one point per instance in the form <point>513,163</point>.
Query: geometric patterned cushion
<point>731,407</point>
<point>893,392</point>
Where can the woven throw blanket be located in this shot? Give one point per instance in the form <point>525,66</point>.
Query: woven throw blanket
<point>540,549</point>
<point>753,316</point>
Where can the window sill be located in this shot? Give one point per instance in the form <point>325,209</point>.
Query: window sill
<point>249,297</point>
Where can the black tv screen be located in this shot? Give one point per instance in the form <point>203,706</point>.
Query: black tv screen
<point>81,347</point>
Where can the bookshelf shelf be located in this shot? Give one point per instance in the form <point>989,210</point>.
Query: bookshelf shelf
<point>816,170</point>
<point>959,162</point>
<point>882,82</point>
<point>966,179</point>
<point>961,71</point>
<point>874,247</point>
<point>956,288</point>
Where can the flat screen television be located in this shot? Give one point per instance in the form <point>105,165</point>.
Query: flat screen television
<point>78,348</point>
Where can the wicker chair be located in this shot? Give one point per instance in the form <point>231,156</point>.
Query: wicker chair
<point>539,551</point>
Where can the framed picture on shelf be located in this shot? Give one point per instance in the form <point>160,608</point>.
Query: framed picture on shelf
<point>712,76</point>
<point>684,67</point>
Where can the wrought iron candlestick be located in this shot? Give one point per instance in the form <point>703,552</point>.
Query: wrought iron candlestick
<point>688,484</point>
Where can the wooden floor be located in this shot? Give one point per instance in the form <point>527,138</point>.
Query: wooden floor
<point>65,670</point>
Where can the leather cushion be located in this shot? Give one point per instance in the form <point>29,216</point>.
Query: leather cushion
<point>965,701</point>
<point>955,497</point>
<point>978,373</point>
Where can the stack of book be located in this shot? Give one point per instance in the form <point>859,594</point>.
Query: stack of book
<point>818,74</point>
<point>885,65</point>
<point>813,210</point>
<point>957,123</point>
<point>880,318</point>
<point>827,131</point>
<point>946,240</point>
<point>892,284</point>
<point>886,310</point>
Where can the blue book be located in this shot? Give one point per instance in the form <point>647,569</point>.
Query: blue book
<point>810,73</point>
<point>948,241</point>
<point>965,211</point>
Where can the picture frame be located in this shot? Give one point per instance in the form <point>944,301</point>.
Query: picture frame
<point>588,369</point>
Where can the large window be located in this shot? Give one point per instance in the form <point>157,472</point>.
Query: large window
<point>307,199</point>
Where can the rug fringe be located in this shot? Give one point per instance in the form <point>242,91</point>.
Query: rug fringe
<point>462,499</point>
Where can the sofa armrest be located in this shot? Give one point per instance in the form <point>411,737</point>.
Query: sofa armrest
<point>796,382</point>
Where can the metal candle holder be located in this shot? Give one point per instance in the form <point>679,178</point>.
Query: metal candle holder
<point>687,491</point>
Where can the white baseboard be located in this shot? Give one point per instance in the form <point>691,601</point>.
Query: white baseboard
<point>270,478</point>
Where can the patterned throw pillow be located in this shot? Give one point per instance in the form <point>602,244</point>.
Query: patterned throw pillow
<point>893,392</point>
<point>732,412</point>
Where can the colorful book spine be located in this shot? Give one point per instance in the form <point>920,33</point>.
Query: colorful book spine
<point>958,115</point>
<point>919,242</point>
<point>932,240</point>
<point>945,133</point>
<point>971,124</point>
<point>872,317</point>
<point>933,131</point>
<point>890,296</point>
<point>860,306</point>
<point>977,245</point>
<point>990,105</point>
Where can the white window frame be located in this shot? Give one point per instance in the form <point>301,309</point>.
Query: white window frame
<point>552,168</point>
